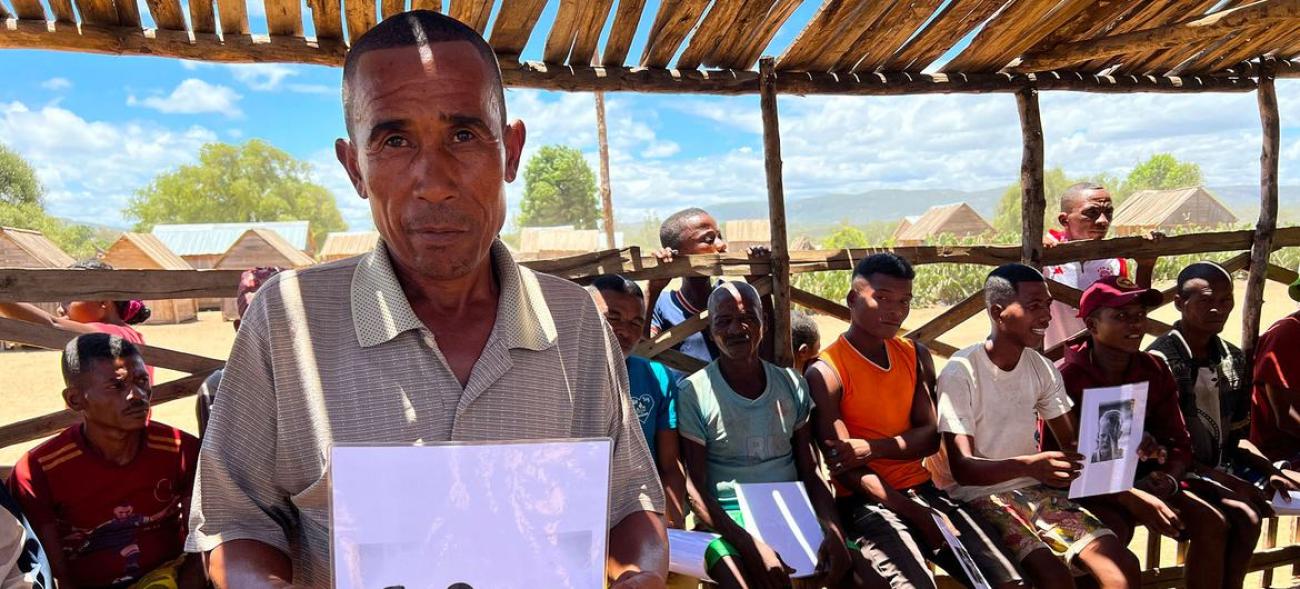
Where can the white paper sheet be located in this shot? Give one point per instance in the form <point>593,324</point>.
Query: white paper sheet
<point>1284,507</point>
<point>1111,424</point>
<point>781,516</point>
<point>959,550</point>
<point>686,552</point>
<point>433,516</point>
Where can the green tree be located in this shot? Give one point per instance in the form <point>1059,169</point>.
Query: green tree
<point>1007,217</point>
<point>1161,172</point>
<point>846,236</point>
<point>559,189</point>
<point>237,184</point>
<point>18,181</point>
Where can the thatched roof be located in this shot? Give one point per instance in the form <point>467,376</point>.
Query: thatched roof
<point>563,239</point>
<point>205,239</point>
<point>263,247</point>
<point>953,219</point>
<point>345,244</point>
<point>1170,208</point>
<point>143,251</point>
<point>803,243</point>
<point>846,47</point>
<point>24,248</point>
<point>903,225</point>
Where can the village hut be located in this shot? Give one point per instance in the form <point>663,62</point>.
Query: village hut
<point>536,243</point>
<point>255,248</point>
<point>957,219</point>
<point>742,234</point>
<point>346,244</point>
<point>1162,210</point>
<point>24,248</point>
<point>803,243</point>
<point>903,225</point>
<point>144,251</point>
<point>202,244</point>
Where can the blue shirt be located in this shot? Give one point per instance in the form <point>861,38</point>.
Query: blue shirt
<point>654,397</point>
<point>672,309</point>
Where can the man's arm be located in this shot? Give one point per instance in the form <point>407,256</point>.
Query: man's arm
<point>1285,411</point>
<point>249,564</point>
<point>33,314</point>
<point>704,501</point>
<point>668,450</point>
<point>638,552</point>
<point>833,549</point>
<point>1056,469</point>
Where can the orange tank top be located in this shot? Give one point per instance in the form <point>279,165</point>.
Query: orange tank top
<point>877,403</point>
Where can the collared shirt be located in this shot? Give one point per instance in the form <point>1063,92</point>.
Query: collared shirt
<point>1277,364</point>
<point>1081,274</point>
<point>672,309</point>
<point>1213,393</point>
<point>334,354</point>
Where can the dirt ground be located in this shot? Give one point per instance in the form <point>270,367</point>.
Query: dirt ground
<point>30,383</point>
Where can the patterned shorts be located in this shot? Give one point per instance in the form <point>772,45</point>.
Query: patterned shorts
<point>1039,517</point>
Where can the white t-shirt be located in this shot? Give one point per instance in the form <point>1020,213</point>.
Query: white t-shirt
<point>1080,275</point>
<point>999,409</point>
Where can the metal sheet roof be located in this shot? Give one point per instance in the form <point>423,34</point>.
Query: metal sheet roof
<point>206,239</point>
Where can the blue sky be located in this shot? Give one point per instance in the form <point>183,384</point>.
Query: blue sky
<point>99,127</point>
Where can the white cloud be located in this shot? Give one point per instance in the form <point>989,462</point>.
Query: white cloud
<point>91,168</point>
<point>56,84</point>
<point>661,149</point>
<point>193,96</point>
<point>262,77</point>
<point>328,172</point>
<point>234,133</point>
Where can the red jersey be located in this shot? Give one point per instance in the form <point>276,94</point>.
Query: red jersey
<point>1277,363</point>
<point>115,523</point>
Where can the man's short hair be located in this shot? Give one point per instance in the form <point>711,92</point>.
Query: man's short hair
<point>724,290</point>
<point>82,352</point>
<point>1003,284</point>
<point>887,263</point>
<point>1070,198</point>
<point>803,330</point>
<point>670,232</point>
<point>1206,270</point>
<point>418,28</point>
<point>617,283</point>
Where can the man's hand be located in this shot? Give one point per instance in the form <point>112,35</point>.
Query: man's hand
<point>1284,481</point>
<point>1150,449</point>
<point>1149,262</point>
<point>763,567</point>
<point>845,455</point>
<point>639,580</point>
<point>663,256</point>
<point>1244,491</point>
<point>759,251</point>
<point>1055,469</point>
<point>1152,512</point>
<point>833,557</point>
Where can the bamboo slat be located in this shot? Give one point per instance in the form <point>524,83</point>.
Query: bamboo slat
<point>1102,16</point>
<point>626,18</point>
<point>951,317</point>
<point>474,13</point>
<point>128,14</point>
<point>1018,42</point>
<point>954,22</point>
<point>203,17</point>
<point>4,12</point>
<point>284,18</point>
<point>672,23</point>
<point>721,18</point>
<point>360,17</point>
<point>840,43</point>
<point>62,10</point>
<point>830,17</point>
<point>899,25</point>
<point>588,34</point>
<point>821,304</point>
<point>559,41</point>
<point>96,12</point>
<point>434,5</point>
<point>1152,14</point>
<point>167,14</point>
<point>1018,20</point>
<point>29,9</point>
<point>327,19</point>
<point>389,8</point>
<point>233,15</point>
<point>745,50</point>
<point>514,25</point>
<point>1268,41</point>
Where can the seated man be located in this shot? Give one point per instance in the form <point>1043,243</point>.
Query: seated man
<point>109,497</point>
<point>990,395</point>
<point>652,388</point>
<point>745,420</point>
<point>1275,402</point>
<point>875,409</point>
<point>806,340</point>
<point>1086,213</point>
<point>1166,495</point>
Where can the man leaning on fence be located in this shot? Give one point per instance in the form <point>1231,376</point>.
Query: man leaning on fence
<point>435,335</point>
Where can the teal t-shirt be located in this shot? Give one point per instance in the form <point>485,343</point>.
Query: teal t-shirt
<point>748,440</point>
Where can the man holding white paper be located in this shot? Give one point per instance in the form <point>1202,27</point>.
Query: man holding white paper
<point>436,335</point>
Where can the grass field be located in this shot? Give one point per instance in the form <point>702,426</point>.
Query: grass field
<point>31,382</point>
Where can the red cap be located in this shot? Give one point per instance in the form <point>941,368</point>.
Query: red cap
<point>1114,292</point>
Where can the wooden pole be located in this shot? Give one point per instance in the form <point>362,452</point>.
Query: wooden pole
<point>606,198</point>
<point>781,339</point>
<point>1032,199</point>
<point>1267,225</point>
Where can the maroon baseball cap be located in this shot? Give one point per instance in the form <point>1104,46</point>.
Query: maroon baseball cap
<point>1114,292</point>
<point>249,282</point>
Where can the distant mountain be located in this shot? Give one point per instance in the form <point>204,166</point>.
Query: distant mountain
<point>1243,199</point>
<point>861,208</point>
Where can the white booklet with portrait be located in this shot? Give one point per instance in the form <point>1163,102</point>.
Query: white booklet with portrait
<point>782,516</point>
<point>470,515</point>
<point>1111,424</point>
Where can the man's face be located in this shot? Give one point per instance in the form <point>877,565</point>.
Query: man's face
<point>113,394</point>
<point>122,512</point>
<point>1206,304</point>
<point>430,155</point>
<point>1090,216</point>
<point>626,316</point>
<point>1025,320</point>
<point>879,304</point>
<point>1121,328</point>
<point>702,236</point>
<point>737,325</point>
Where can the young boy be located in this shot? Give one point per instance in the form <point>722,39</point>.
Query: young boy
<point>990,396</point>
<point>1164,496</point>
<point>687,232</point>
<point>652,388</point>
<point>1275,402</point>
<point>806,340</point>
<point>875,409</point>
<point>745,420</point>
<point>109,497</point>
<point>1086,213</point>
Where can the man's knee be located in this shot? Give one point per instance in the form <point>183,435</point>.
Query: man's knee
<point>1046,570</point>
<point>1108,560</point>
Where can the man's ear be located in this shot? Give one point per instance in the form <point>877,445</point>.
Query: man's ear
<point>1061,218</point>
<point>347,155</point>
<point>1179,302</point>
<point>1091,323</point>
<point>515,135</point>
<point>803,349</point>
<point>852,297</point>
<point>74,399</point>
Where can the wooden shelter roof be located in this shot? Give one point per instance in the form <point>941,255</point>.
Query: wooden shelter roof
<point>345,244</point>
<point>151,247</point>
<point>39,248</point>
<point>712,46</point>
<point>957,218</point>
<point>294,257</point>
<point>1156,207</point>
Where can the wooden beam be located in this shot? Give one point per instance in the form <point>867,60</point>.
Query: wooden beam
<point>36,428</point>
<point>1182,33</point>
<point>233,16</point>
<point>514,25</point>
<point>626,18</point>
<point>749,46</point>
<point>52,338</point>
<point>29,9</point>
<point>676,334</point>
<point>783,355</point>
<point>954,21</point>
<point>588,35</point>
<point>360,16</point>
<point>96,12</point>
<point>830,17</point>
<point>1015,29</point>
<point>559,41</point>
<point>606,196</point>
<point>327,19</point>
<point>1267,224</point>
<point>720,19</point>
<point>900,24</point>
<point>284,17</point>
<point>203,17</point>
<point>951,317</point>
<point>1033,198</point>
<point>820,304</point>
<point>680,362</point>
<point>62,10</point>
<point>47,286</point>
<point>167,14</point>
<point>673,22</point>
<point>1281,275</point>
<point>474,13</point>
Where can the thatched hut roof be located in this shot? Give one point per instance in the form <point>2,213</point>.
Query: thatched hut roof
<point>957,219</point>
<point>1145,210</point>
<point>24,248</point>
